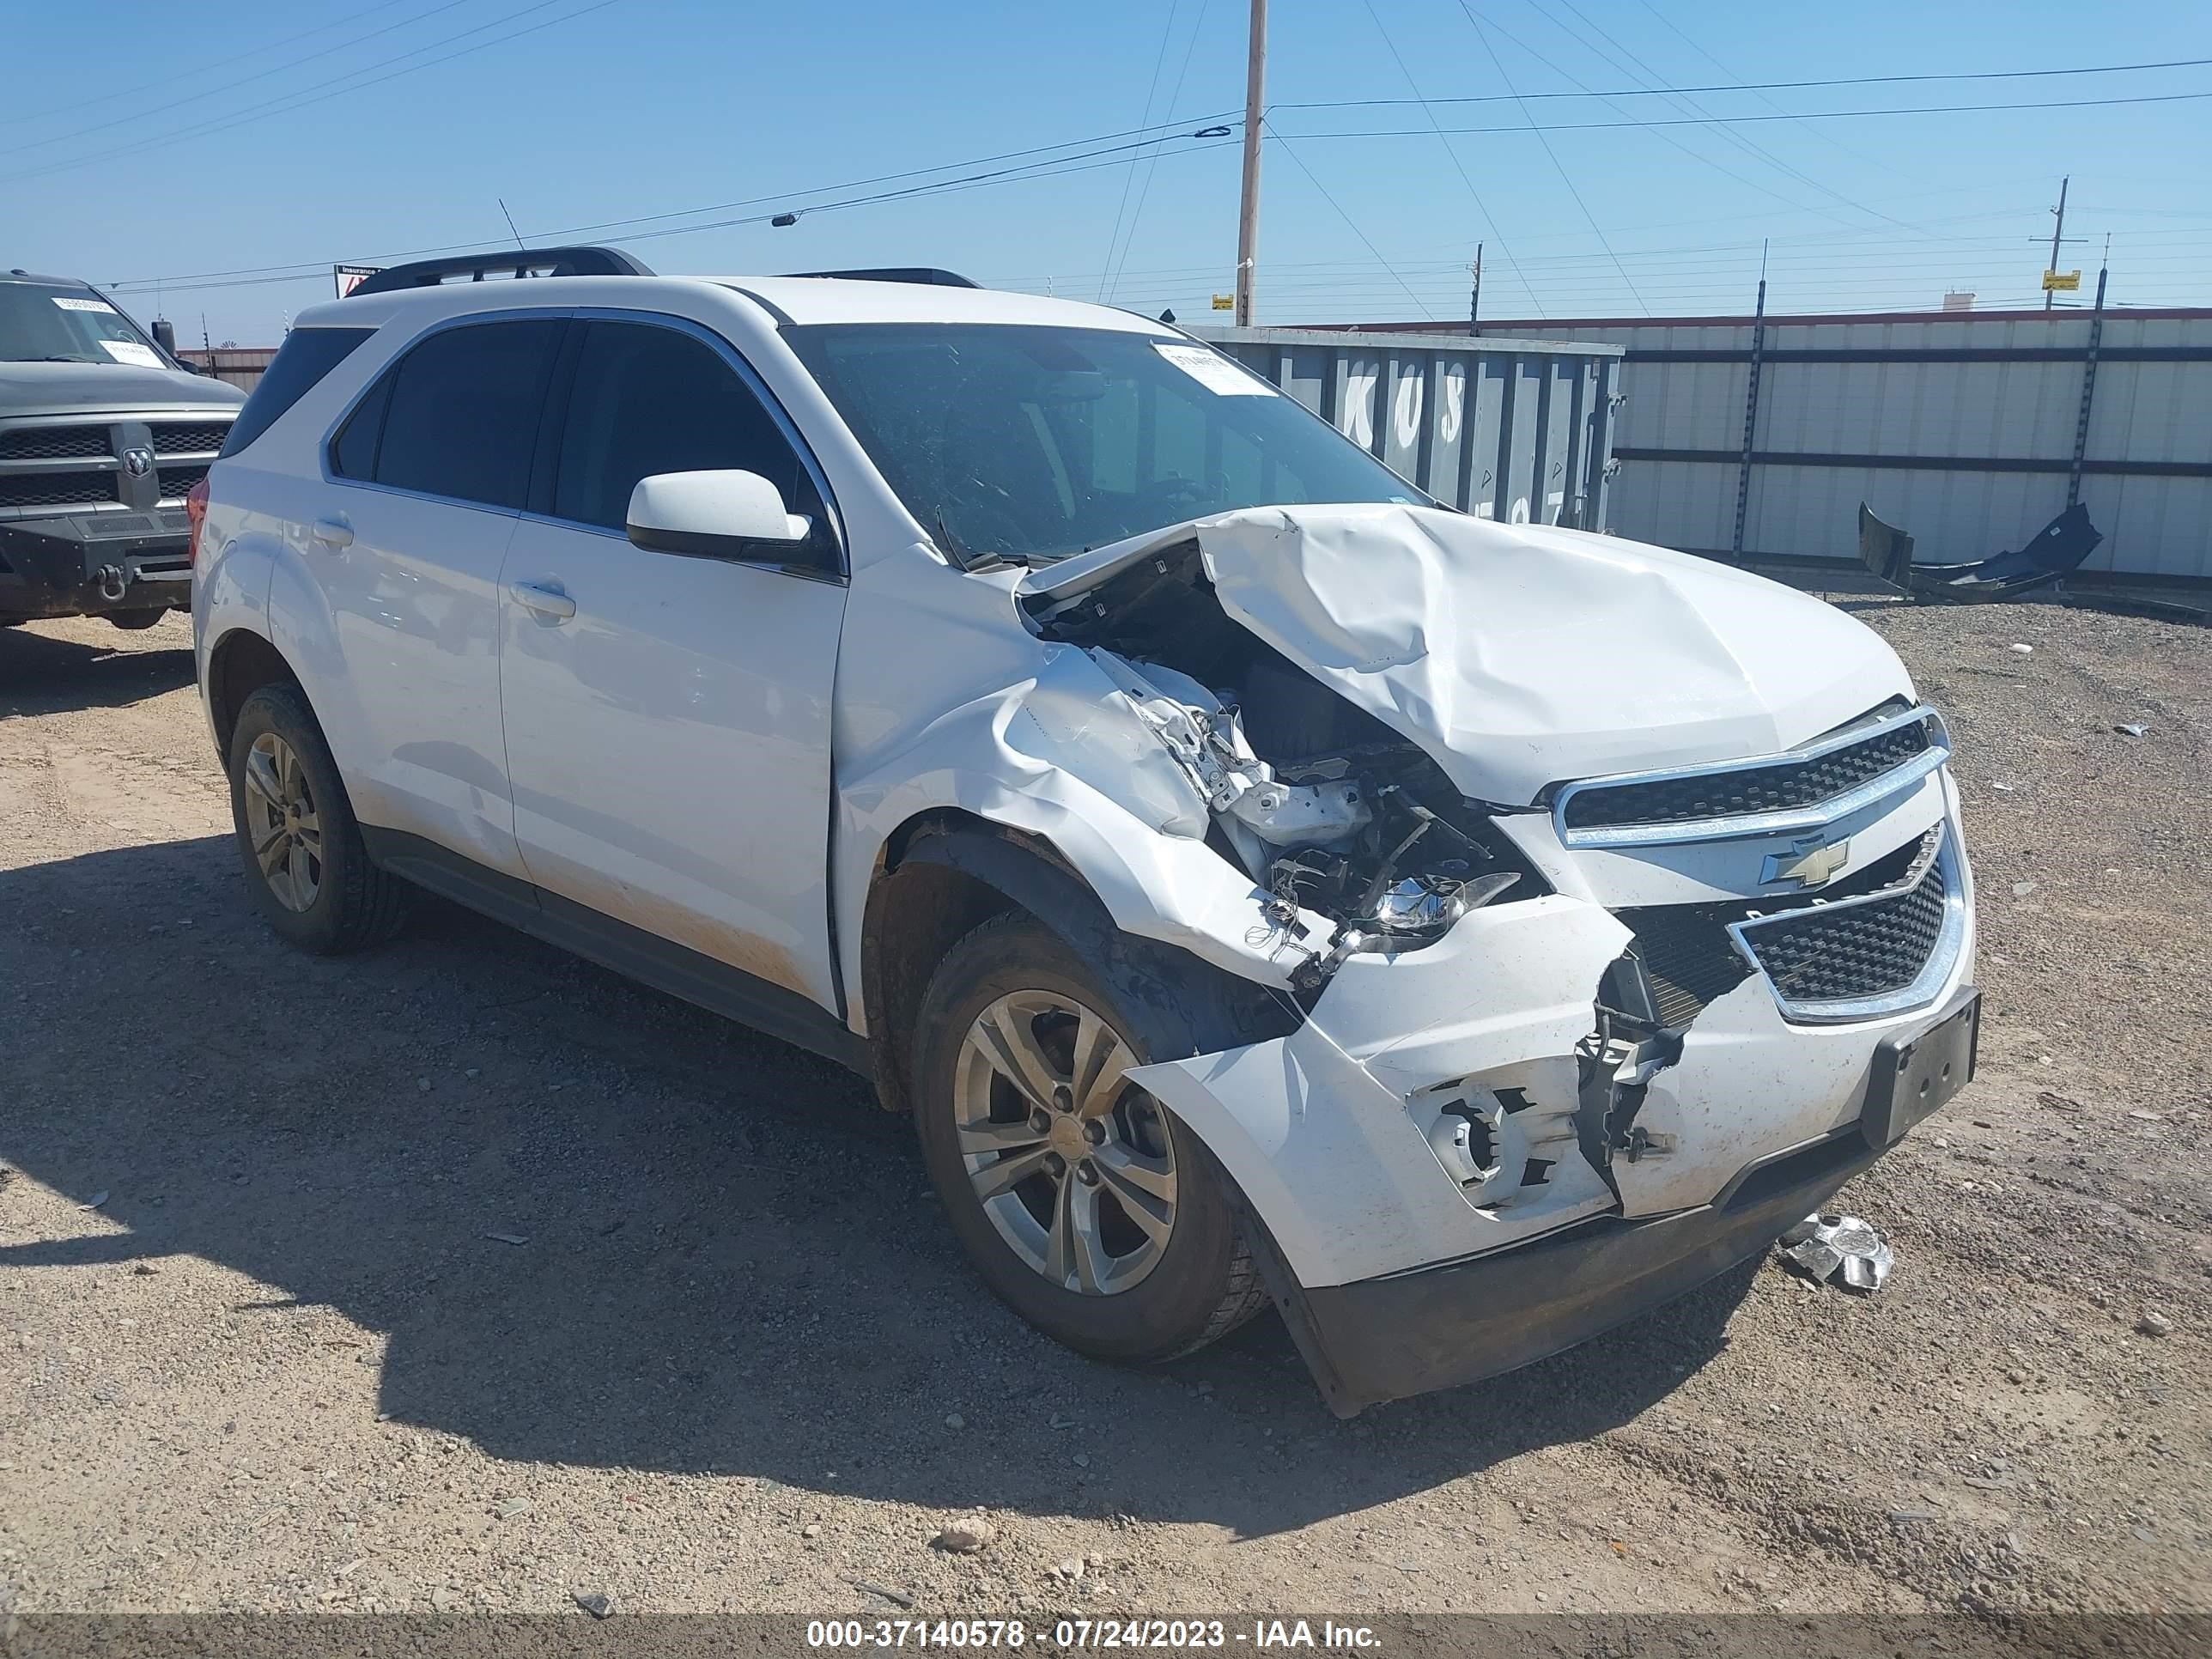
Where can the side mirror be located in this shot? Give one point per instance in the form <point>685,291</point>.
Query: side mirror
<point>725,515</point>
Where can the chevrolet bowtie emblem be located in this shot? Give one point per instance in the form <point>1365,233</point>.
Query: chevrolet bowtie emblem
<point>1807,862</point>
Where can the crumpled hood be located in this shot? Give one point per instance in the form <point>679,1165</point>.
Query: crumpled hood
<point>1520,655</point>
<point>59,388</point>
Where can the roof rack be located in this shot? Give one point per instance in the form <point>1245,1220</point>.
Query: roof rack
<point>928,275</point>
<point>516,263</point>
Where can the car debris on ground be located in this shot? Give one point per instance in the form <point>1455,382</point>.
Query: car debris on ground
<point>1838,1248</point>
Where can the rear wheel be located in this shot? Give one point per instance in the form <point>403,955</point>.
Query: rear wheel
<point>132,621</point>
<point>1085,1205</point>
<point>296,835</point>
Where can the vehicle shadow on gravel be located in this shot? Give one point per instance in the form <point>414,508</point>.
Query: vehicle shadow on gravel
<point>41,674</point>
<point>580,1223</point>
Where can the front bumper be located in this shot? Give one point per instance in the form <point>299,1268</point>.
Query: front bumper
<point>89,563</point>
<point>1437,1327</point>
<point>1400,1272</point>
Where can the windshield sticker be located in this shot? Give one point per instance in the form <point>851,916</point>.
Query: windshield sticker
<point>71,302</point>
<point>130,351</point>
<point>1213,371</point>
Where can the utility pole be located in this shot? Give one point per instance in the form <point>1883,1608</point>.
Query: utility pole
<point>1475,295</point>
<point>1248,212</point>
<point>2057,233</point>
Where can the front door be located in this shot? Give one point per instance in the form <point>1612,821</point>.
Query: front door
<point>668,717</point>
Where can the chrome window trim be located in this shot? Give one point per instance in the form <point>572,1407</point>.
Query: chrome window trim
<point>1796,819</point>
<point>1934,975</point>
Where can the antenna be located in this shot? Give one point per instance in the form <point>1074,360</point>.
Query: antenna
<point>509,217</point>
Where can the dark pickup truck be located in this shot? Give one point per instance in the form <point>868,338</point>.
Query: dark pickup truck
<point>101,433</point>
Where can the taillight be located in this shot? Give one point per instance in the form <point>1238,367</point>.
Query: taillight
<point>195,499</point>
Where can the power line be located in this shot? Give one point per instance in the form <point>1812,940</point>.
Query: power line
<point>1764,85</point>
<point>1636,66</point>
<point>1479,205</point>
<point>201,92</point>
<point>1558,167</point>
<point>305,268</point>
<point>171,77</point>
<point>1666,138</point>
<point>1151,91</point>
<point>1738,84</point>
<point>1152,163</point>
<point>1350,224</point>
<point>312,95</point>
<point>1083,161</point>
<point>1742,120</point>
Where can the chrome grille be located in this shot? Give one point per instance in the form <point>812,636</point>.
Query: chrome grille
<point>176,480</point>
<point>1876,755</point>
<point>1828,954</point>
<point>1760,789</point>
<point>53,443</point>
<point>188,438</point>
<point>56,489</point>
<point>1823,949</point>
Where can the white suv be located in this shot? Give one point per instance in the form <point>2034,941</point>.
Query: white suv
<point>1254,877</point>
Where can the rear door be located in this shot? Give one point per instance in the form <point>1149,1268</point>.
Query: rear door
<point>429,472</point>
<point>668,717</point>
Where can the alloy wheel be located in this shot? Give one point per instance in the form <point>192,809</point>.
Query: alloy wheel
<point>1074,1164</point>
<point>282,823</point>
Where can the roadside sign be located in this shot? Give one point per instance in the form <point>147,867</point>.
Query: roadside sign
<point>347,277</point>
<point>1224,302</point>
<point>2062,282</point>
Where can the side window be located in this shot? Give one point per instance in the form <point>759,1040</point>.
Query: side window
<point>307,355</point>
<point>460,413</point>
<point>648,400</point>
<point>353,451</point>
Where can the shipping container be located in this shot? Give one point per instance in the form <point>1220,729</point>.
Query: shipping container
<point>1514,429</point>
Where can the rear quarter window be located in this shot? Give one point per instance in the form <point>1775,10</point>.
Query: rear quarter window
<point>307,355</point>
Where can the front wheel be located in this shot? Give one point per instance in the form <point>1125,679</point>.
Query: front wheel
<point>1084,1203</point>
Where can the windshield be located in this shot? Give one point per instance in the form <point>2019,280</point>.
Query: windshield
<point>45,323</point>
<point>1030,443</point>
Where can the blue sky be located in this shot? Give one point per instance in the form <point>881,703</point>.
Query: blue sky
<point>140,148</point>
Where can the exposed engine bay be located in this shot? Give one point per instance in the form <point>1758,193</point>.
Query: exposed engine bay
<point>1321,805</point>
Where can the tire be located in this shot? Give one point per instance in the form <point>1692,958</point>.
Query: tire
<point>1169,1295</point>
<point>348,903</point>
<point>132,621</point>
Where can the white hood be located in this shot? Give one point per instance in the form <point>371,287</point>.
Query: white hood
<point>1520,656</point>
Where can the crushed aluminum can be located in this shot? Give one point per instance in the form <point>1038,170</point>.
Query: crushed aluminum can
<point>1827,1247</point>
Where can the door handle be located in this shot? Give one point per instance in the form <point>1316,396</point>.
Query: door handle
<point>332,532</point>
<point>546,601</point>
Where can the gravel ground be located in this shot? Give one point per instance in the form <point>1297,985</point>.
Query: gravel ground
<point>463,1274</point>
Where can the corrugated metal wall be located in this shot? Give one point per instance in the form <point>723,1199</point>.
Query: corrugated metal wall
<point>1497,429</point>
<point>1960,428</point>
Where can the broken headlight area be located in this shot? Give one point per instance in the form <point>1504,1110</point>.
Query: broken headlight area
<point>1323,806</point>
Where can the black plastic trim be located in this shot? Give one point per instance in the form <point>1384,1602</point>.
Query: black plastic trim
<point>925,275</point>
<point>715,986</point>
<point>1440,1326</point>
<point>516,262</point>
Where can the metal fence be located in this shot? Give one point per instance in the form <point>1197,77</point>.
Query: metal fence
<point>239,365</point>
<point>1515,430</point>
<point>1970,429</point>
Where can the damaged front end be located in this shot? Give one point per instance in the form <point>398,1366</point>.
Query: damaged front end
<point>1579,1032</point>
